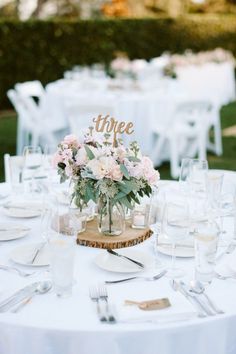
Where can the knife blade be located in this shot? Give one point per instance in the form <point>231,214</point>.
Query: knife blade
<point>36,253</point>
<point>141,265</point>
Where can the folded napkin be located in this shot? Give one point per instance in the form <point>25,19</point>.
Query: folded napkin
<point>119,293</point>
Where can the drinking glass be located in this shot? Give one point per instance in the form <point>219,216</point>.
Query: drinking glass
<point>214,182</point>
<point>32,163</point>
<point>62,245</point>
<point>198,170</point>
<point>205,244</point>
<point>184,175</point>
<point>176,228</point>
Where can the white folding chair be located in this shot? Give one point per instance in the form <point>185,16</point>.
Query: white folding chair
<point>185,133</point>
<point>24,123</point>
<point>31,88</point>
<point>12,165</point>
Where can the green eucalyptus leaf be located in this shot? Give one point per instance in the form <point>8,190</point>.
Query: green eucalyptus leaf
<point>133,159</point>
<point>89,152</point>
<point>124,171</point>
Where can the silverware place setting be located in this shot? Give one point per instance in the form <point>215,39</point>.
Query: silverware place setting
<point>195,294</point>
<point>40,287</point>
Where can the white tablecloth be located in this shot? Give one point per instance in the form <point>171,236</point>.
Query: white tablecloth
<point>50,325</point>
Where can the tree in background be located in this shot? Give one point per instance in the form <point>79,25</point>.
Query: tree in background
<point>84,9</point>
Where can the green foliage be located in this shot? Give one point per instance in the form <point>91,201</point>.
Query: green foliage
<point>43,50</point>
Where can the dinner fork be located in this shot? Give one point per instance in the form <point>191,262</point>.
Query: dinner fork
<point>102,290</point>
<point>16,270</point>
<point>158,276</point>
<point>94,296</point>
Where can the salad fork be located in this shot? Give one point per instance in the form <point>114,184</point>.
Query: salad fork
<point>102,290</point>
<point>94,296</point>
<point>158,276</point>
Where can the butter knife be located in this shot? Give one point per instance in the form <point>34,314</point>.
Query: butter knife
<point>141,265</point>
<point>37,252</point>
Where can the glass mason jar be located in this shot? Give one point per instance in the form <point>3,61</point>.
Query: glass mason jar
<point>111,217</point>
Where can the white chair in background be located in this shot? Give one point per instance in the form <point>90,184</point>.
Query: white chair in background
<point>13,166</point>
<point>184,133</point>
<point>24,121</point>
<point>31,89</point>
<point>81,114</point>
<point>36,125</point>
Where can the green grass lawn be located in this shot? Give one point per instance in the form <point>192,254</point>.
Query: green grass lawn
<point>226,161</point>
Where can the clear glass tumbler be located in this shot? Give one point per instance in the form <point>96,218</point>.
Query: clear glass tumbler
<point>206,238</point>
<point>62,244</point>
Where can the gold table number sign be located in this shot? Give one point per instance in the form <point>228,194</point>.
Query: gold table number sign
<point>109,125</point>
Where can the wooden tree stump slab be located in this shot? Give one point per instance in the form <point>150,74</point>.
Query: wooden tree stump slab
<point>130,237</point>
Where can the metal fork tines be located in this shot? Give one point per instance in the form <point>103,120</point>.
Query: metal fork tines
<point>104,296</point>
<point>94,296</point>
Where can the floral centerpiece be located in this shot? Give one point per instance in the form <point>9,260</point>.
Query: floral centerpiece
<point>114,177</point>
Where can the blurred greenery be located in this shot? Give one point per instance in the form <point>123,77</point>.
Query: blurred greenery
<point>43,50</point>
<point>226,161</point>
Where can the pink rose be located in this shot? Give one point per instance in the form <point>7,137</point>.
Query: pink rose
<point>56,159</point>
<point>116,173</point>
<point>81,157</point>
<point>71,140</point>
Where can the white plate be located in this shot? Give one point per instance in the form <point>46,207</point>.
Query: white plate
<point>116,264</point>
<point>12,231</point>
<point>23,209</point>
<point>180,251</point>
<point>24,253</point>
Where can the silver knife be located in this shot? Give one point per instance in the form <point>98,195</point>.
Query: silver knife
<point>14,299</point>
<point>141,265</point>
<point>36,253</point>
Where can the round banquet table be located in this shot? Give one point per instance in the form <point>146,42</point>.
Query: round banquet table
<point>50,325</point>
<point>145,108</point>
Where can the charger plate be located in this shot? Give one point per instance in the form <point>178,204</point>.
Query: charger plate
<point>130,237</point>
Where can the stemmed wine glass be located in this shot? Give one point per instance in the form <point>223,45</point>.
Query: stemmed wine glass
<point>176,228</point>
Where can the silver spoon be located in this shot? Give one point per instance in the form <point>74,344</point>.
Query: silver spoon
<point>42,288</point>
<point>198,288</point>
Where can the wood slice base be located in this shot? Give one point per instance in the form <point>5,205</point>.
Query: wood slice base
<point>130,237</point>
